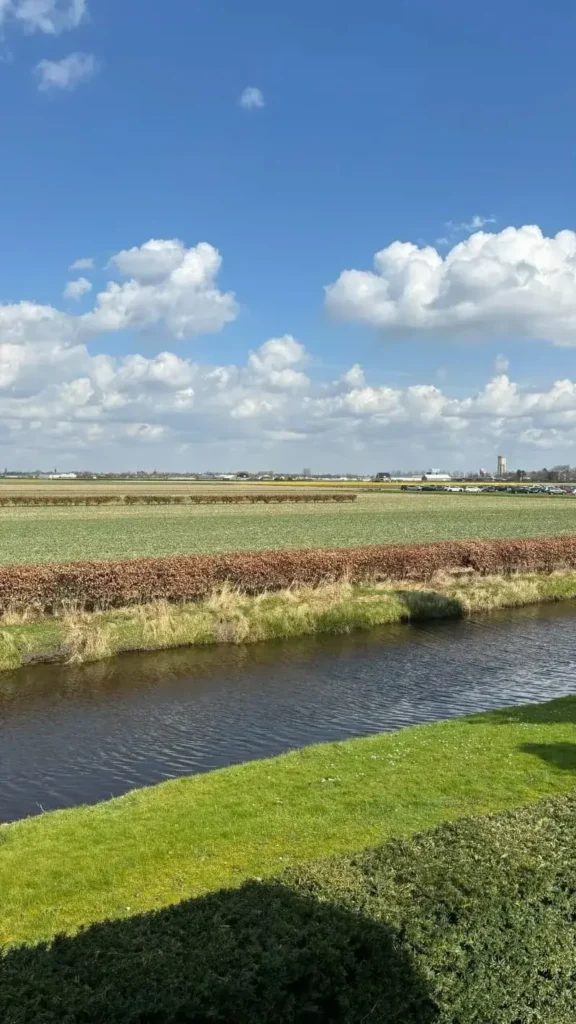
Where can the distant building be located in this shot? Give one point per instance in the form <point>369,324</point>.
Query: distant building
<point>394,478</point>
<point>434,477</point>
<point>501,470</point>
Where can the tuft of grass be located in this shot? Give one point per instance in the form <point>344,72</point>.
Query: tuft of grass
<point>157,846</point>
<point>11,651</point>
<point>229,616</point>
<point>86,639</point>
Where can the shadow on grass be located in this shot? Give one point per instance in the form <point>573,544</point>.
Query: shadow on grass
<point>429,604</point>
<point>553,712</point>
<point>559,755</point>
<point>262,953</point>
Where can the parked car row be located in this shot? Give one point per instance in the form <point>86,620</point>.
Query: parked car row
<point>443,488</point>
<point>560,489</point>
<point>552,489</point>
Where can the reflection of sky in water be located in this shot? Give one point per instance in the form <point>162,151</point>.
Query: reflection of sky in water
<point>78,735</point>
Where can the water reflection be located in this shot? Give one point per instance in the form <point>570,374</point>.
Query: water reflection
<point>80,734</point>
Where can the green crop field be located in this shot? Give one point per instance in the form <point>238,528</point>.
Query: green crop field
<point>65,534</point>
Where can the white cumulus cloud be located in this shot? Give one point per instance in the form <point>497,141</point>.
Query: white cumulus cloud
<point>48,16</point>
<point>31,322</point>
<point>516,283</point>
<point>56,398</point>
<point>66,73</point>
<point>84,263</point>
<point>168,284</point>
<point>354,376</point>
<point>76,289</point>
<point>152,261</point>
<point>252,98</point>
<point>275,362</point>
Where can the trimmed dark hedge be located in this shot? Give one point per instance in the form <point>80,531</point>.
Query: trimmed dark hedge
<point>108,584</point>
<point>472,923</point>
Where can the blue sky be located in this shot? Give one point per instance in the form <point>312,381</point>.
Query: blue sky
<point>411,122</point>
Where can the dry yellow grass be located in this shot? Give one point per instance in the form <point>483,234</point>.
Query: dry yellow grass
<point>231,617</point>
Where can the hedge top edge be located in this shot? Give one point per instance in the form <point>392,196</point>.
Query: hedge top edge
<point>174,499</point>
<point>112,584</point>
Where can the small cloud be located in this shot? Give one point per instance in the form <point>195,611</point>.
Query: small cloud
<point>48,16</point>
<point>286,435</point>
<point>354,376</point>
<point>66,73</point>
<point>475,224</point>
<point>252,99</point>
<point>85,263</point>
<point>501,364</point>
<point>478,222</point>
<point>76,289</point>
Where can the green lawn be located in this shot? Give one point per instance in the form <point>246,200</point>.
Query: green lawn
<point>64,534</point>
<point>157,846</point>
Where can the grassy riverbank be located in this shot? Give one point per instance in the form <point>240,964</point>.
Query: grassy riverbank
<point>157,846</point>
<point>230,617</point>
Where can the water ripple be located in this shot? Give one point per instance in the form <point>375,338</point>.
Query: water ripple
<point>75,735</point>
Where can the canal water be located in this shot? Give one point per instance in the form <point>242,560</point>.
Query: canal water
<point>72,735</point>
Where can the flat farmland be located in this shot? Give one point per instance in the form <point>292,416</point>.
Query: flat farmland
<point>118,488</point>
<point>44,534</point>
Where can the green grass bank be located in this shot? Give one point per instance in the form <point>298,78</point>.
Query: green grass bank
<point>230,617</point>
<point>72,534</point>
<point>471,922</point>
<point>158,846</point>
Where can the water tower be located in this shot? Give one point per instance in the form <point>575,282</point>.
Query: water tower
<point>501,471</point>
